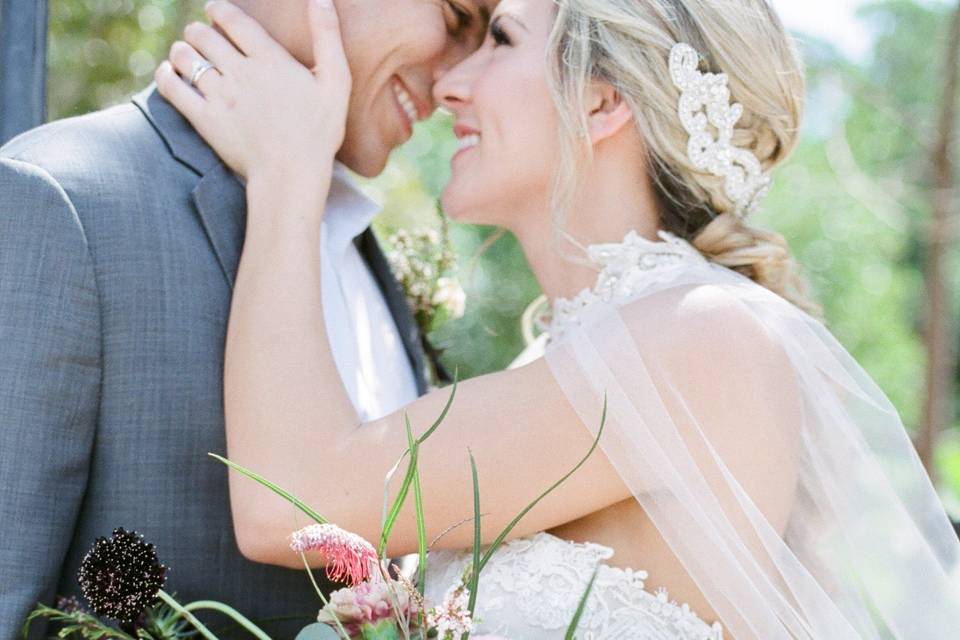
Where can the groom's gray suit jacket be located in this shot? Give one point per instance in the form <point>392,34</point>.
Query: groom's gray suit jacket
<point>120,234</point>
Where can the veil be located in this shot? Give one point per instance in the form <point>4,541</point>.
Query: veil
<point>778,473</point>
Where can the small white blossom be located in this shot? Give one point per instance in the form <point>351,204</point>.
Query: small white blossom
<point>452,618</point>
<point>451,295</point>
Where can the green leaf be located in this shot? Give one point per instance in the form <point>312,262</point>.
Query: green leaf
<point>499,540</point>
<point>317,631</point>
<point>383,630</point>
<point>273,487</point>
<point>571,630</point>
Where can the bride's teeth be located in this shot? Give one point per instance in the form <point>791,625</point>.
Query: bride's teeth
<point>469,141</point>
<point>406,102</point>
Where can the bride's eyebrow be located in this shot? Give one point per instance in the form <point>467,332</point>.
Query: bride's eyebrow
<point>513,18</point>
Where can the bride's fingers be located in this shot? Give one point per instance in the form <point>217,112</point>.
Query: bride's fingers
<point>178,93</point>
<point>328,51</point>
<point>211,45</point>
<point>185,58</point>
<point>245,32</point>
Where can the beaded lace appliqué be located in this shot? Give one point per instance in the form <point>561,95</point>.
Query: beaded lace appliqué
<point>626,268</point>
<point>537,582</point>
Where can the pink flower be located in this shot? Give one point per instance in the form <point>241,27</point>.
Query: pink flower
<point>364,604</point>
<point>348,557</point>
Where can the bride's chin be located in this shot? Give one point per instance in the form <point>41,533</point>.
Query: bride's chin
<point>454,206</point>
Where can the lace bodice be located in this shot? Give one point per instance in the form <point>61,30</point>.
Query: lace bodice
<point>532,586</point>
<point>626,268</point>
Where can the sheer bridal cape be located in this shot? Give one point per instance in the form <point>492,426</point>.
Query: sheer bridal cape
<point>777,471</point>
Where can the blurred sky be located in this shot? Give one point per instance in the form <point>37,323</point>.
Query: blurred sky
<point>832,20</point>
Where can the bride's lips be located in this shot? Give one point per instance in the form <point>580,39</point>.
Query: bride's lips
<point>407,105</point>
<point>467,137</point>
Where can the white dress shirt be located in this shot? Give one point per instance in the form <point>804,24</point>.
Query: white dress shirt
<point>366,344</point>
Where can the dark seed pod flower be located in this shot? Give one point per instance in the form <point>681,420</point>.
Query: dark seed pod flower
<point>120,576</point>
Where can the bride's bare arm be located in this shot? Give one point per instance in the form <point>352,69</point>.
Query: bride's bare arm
<point>289,417</point>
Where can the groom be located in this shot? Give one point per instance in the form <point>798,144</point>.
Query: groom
<point>120,233</point>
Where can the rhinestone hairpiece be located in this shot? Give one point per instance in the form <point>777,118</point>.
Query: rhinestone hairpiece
<point>705,99</point>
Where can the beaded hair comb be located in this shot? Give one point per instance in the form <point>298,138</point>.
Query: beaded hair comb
<point>705,100</point>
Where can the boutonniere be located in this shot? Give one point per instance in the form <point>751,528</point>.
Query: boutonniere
<point>423,262</point>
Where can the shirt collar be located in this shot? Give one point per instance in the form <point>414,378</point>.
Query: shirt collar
<point>348,212</point>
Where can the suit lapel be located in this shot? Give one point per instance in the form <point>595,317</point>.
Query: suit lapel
<point>221,202</point>
<point>396,302</point>
<point>221,205</point>
<point>219,197</point>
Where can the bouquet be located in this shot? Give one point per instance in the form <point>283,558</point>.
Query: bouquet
<point>122,578</point>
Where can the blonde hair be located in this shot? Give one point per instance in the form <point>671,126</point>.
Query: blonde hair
<point>627,43</point>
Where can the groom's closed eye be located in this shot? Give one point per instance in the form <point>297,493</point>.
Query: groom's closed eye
<point>468,23</point>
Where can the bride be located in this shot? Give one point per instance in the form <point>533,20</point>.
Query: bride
<point>750,468</point>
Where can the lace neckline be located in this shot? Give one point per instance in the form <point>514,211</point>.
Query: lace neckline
<point>625,269</point>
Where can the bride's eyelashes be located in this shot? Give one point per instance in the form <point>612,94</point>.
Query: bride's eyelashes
<point>499,34</point>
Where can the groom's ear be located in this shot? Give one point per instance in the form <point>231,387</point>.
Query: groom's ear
<point>608,111</point>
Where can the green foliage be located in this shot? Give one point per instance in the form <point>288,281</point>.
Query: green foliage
<point>853,200</point>
<point>101,51</point>
<point>158,623</point>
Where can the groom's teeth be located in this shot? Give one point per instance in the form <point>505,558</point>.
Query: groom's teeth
<point>406,102</point>
<point>469,141</point>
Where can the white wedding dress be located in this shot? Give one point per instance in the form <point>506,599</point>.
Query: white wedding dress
<point>866,550</point>
<point>531,588</point>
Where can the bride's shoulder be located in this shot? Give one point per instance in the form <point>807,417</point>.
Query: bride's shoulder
<point>700,320</point>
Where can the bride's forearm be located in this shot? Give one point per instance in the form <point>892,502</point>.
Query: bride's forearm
<point>282,391</point>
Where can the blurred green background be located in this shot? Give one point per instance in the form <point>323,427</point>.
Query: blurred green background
<point>853,201</point>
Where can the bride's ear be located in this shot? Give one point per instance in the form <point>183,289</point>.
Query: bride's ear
<point>608,112</point>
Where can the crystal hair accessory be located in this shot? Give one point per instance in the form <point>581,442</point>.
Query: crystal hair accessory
<point>705,100</point>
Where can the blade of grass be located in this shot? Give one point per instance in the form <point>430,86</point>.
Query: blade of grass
<point>421,523</point>
<point>499,540</point>
<point>394,511</point>
<point>446,409</point>
<point>273,487</point>
<point>571,630</point>
<point>401,499</point>
<point>386,488</point>
<point>475,571</point>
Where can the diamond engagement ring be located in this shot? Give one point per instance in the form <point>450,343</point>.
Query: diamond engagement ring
<point>200,67</point>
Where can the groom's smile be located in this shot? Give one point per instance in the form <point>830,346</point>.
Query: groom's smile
<point>397,49</point>
<point>410,108</point>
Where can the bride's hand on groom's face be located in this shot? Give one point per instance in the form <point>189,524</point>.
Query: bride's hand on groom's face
<point>261,110</point>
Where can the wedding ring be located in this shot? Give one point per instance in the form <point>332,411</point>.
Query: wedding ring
<point>200,67</point>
